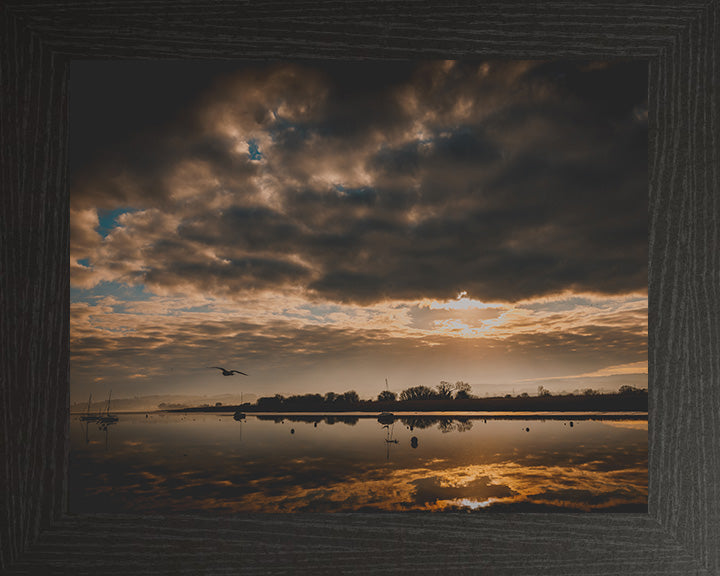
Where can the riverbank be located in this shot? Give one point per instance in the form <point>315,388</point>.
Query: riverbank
<point>567,403</point>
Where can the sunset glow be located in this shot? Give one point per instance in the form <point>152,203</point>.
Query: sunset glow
<point>324,227</point>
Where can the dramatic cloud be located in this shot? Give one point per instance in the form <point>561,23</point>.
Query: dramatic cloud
<point>301,207</point>
<point>491,178</point>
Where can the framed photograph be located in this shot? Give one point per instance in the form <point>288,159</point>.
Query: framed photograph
<point>325,248</point>
<point>431,274</point>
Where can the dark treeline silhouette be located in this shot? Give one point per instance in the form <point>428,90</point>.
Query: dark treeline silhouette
<point>629,400</point>
<point>446,397</point>
<point>330,402</point>
<point>443,391</point>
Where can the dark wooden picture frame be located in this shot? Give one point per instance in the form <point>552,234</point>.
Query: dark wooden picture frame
<point>680,534</point>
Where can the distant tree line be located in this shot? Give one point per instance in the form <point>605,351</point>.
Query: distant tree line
<point>171,406</point>
<point>443,391</point>
<point>444,396</point>
<point>623,391</point>
<point>310,402</point>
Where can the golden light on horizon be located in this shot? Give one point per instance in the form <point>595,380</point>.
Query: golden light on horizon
<point>389,220</point>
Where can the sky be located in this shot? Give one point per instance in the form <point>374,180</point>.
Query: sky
<point>323,226</point>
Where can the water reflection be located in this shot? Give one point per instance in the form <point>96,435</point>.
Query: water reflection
<point>309,418</point>
<point>389,439</point>
<point>326,463</point>
<point>86,424</point>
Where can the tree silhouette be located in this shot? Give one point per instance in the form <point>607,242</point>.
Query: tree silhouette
<point>387,396</point>
<point>444,389</point>
<point>462,390</point>
<point>349,397</point>
<point>631,390</point>
<point>417,393</point>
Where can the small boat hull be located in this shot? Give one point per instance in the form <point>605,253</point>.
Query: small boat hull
<point>386,418</point>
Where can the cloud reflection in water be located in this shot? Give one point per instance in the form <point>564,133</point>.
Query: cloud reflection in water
<point>222,466</point>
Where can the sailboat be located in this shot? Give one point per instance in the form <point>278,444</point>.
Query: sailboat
<point>89,417</point>
<point>107,418</point>
<point>386,417</point>
<point>239,414</point>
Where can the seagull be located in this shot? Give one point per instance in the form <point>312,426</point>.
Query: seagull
<point>228,372</point>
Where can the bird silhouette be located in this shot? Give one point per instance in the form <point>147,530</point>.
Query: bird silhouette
<point>228,372</point>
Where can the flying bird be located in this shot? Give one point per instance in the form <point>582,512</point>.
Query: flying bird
<point>228,372</point>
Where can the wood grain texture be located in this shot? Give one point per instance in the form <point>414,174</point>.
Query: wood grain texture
<point>684,349</point>
<point>681,533</point>
<point>34,288</point>
<point>517,544</point>
<point>359,29</point>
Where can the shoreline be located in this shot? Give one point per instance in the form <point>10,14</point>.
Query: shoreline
<point>472,415</point>
<point>561,404</point>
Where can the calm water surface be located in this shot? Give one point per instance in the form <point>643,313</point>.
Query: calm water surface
<point>211,463</point>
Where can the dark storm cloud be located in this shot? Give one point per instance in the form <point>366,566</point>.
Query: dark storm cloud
<point>609,89</point>
<point>141,175</point>
<point>254,228</point>
<point>240,274</point>
<point>504,180</point>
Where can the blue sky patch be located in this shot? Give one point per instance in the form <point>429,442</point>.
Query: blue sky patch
<point>120,291</point>
<point>253,150</point>
<point>108,219</point>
